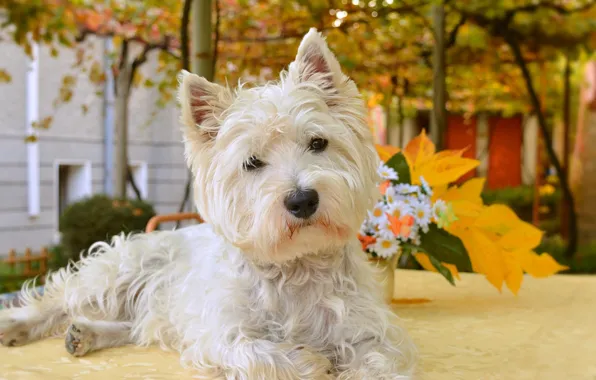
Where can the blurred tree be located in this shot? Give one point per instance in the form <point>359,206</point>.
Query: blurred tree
<point>547,29</point>
<point>386,46</point>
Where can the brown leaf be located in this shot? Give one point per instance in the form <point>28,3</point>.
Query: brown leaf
<point>4,76</point>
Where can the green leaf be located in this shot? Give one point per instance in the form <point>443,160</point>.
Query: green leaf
<point>399,163</point>
<point>446,248</point>
<point>442,269</point>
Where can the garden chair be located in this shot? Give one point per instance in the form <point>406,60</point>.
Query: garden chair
<point>165,218</point>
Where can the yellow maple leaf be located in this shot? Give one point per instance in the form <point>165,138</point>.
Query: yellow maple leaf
<point>485,256</point>
<point>443,170</point>
<point>472,189</point>
<point>538,266</point>
<point>386,151</point>
<point>419,150</point>
<point>513,273</point>
<point>498,219</point>
<point>522,236</point>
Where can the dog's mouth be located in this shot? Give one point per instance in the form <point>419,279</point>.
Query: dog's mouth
<point>322,223</point>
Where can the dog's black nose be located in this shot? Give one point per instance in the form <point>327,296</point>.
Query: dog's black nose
<point>302,203</point>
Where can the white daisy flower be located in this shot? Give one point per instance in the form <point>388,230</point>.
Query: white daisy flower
<point>410,200</point>
<point>425,186</point>
<point>377,212</point>
<point>387,173</point>
<point>422,212</point>
<point>391,195</point>
<point>382,229</point>
<point>399,209</point>
<point>386,247</point>
<point>404,188</point>
<point>439,209</point>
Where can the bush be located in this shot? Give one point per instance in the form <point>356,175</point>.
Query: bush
<point>58,257</point>
<point>99,218</point>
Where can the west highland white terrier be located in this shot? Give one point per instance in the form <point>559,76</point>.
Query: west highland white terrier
<point>274,285</point>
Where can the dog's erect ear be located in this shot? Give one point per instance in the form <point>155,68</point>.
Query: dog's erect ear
<point>315,63</point>
<point>202,103</point>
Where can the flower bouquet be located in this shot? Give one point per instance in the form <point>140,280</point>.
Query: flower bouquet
<point>446,227</point>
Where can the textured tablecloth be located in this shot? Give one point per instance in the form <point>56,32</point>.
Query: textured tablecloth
<point>465,332</point>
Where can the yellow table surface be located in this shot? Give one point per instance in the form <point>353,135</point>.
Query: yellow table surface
<point>466,332</point>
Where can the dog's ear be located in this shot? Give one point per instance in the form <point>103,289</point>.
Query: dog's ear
<point>202,104</point>
<point>316,64</point>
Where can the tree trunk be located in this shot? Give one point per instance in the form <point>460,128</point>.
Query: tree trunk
<point>121,126</point>
<point>439,125</point>
<point>566,126</point>
<point>562,175</point>
<point>202,52</point>
<point>388,127</point>
<point>203,55</point>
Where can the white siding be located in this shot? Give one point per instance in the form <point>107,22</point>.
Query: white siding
<point>154,139</point>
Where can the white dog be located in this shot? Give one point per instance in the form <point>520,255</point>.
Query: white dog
<point>275,284</point>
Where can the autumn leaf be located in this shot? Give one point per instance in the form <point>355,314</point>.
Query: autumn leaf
<point>31,139</point>
<point>538,266</point>
<point>514,273</point>
<point>419,150</point>
<point>521,236</point>
<point>439,171</point>
<point>497,218</point>
<point>4,76</point>
<point>386,151</point>
<point>43,123</point>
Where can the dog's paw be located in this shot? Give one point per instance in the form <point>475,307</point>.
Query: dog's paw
<point>310,364</point>
<point>79,340</point>
<point>12,332</point>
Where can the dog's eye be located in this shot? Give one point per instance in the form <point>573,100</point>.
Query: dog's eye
<point>318,145</point>
<point>253,163</point>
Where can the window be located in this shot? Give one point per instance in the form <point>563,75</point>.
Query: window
<point>72,183</point>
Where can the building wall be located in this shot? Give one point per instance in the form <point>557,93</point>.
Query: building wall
<point>75,137</point>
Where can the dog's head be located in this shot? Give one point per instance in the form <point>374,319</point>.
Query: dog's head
<point>284,169</point>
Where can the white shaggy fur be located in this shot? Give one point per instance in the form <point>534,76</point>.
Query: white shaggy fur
<point>255,293</point>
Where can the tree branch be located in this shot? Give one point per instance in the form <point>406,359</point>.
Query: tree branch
<point>452,38</point>
<point>216,37</point>
<point>555,7</point>
<point>123,54</point>
<point>513,43</point>
<point>142,57</point>
<point>184,41</point>
<point>168,47</point>
<point>131,180</point>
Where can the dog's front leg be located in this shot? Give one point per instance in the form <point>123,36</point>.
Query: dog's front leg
<point>373,359</point>
<point>374,347</point>
<point>261,359</point>
<point>264,360</point>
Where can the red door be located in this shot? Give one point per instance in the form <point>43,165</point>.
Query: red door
<point>461,134</point>
<point>505,145</point>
